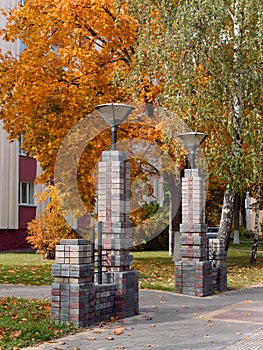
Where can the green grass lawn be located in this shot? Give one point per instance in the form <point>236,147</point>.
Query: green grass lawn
<point>25,269</point>
<point>27,322</point>
<point>156,268</point>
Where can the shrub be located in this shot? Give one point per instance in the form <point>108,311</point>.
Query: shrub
<point>45,231</point>
<point>245,233</point>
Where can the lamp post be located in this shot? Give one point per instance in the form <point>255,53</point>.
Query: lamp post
<point>192,140</point>
<point>114,114</point>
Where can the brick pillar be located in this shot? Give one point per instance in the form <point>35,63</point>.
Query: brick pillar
<point>73,293</point>
<point>217,255</point>
<point>114,213</point>
<point>193,272</point>
<point>114,210</point>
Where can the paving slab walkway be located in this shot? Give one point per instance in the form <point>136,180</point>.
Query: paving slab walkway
<point>228,321</point>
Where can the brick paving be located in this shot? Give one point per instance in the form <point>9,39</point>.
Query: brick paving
<point>231,320</point>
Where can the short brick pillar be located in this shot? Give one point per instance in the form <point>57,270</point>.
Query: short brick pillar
<point>73,293</point>
<point>126,295</point>
<point>217,255</point>
<point>193,274</point>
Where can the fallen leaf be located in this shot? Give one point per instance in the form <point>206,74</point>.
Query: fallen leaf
<point>17,334</point>
<point>91,338</point>
<point>119,330</point>
<point>109,338</point>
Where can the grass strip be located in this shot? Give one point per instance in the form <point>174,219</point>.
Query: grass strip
<point>27,322</point>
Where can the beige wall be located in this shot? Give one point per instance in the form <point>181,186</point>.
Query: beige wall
<point>9,166</point>
<point>9,172</point>
<point>7,46</point>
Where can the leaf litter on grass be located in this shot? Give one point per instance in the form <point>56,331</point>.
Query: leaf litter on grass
<point>24,322</point>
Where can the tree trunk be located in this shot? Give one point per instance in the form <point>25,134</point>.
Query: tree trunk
<point>227,216</point>
<point>243,211</point>
<point>236,218</point>
<point>174,185</point>
<point>253,258</point>
<point>170,229</point>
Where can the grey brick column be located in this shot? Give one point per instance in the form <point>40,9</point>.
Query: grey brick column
<point>114,210</point>
<point>114,213</point>
<point>193,272</point>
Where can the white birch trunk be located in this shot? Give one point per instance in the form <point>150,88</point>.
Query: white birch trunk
<point>236,147</point>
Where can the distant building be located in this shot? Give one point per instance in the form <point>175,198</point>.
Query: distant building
<point>17,175</point>
<point>251,214</point>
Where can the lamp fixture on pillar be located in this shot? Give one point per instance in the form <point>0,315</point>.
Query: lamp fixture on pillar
<point>192,140</point>
<point>114,114</point>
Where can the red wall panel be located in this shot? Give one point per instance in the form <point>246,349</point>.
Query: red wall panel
<point>26,214</point>
<point>27,169</point>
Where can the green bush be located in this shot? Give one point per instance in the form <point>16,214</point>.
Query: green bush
<point>245,234</point>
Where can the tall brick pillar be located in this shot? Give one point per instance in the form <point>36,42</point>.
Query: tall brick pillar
<point>193,272</point>
<point>114,213</point>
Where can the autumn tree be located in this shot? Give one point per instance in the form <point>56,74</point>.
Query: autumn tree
<point>209,57</point>
<point>72,49</point>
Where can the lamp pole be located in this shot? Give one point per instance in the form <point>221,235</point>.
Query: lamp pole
<point>114,137</point>
<point>192,140</point>
<point>114,114</point>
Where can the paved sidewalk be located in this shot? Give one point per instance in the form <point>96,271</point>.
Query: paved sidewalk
<point>169,321</point>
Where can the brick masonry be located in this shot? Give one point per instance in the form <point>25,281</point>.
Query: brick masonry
<point>75,296</point>
<point>202,269</point>
<point>114,210</point>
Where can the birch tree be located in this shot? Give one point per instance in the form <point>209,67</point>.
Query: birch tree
<point>206,55</point>
<point>253,258</point>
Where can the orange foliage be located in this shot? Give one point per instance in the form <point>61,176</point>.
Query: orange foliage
<point>45,231</point>
<point>73,49</point>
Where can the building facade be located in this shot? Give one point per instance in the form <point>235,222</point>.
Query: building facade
<point>17,175</point>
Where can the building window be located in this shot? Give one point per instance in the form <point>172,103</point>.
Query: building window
<point>20,143</point>
<point>26,193</point>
